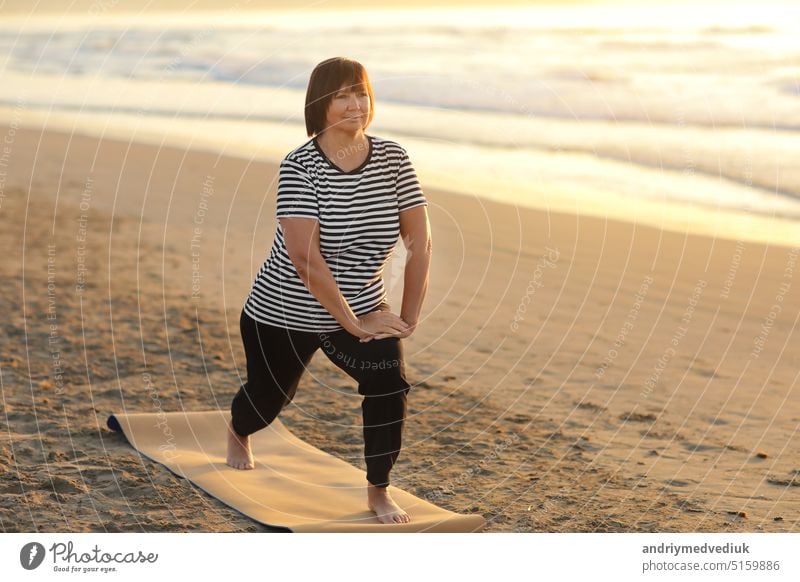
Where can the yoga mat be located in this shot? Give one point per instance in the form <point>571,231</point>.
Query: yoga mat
<point>294,485</point>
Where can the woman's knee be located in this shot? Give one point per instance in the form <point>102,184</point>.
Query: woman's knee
<point>268,390</point>
<point>382,354</point>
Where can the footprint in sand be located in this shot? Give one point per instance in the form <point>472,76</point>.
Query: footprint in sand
<point>662,435</point>
<point>13,487</point>
<point>793,481</point>
<point>637,417</point>
<point>583,445</point>
<point>706,373</point>
<point>61,484</point>
<point>590,406</point>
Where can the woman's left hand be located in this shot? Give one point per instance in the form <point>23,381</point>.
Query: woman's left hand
<point>399,334</point>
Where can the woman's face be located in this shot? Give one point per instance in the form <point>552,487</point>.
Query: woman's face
<point>349,109</point>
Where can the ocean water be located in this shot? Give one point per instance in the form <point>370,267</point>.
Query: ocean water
<point>676,115</point>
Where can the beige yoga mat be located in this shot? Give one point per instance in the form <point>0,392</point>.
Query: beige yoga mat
<point>294,485</point>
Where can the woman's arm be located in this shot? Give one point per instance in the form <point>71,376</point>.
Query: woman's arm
<point>415,231</point>
<point>301,236</point>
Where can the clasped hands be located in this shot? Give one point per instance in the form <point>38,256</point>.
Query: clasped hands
<point>383,324</point>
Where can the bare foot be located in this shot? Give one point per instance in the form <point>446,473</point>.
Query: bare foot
<point>239,454</point>
<point>379,501</point>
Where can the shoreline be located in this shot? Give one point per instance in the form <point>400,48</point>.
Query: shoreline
<point>671,216</point>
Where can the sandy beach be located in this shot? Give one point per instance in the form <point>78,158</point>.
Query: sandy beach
<point>571,374</point>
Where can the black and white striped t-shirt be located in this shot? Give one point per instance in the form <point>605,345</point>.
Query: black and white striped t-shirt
<point>359,225</point>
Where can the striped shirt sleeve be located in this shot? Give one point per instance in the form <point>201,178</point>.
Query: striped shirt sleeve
<point>296,194</point>
<point>409,192</point>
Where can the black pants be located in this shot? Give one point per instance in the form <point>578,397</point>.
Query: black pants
<point>277,358</point>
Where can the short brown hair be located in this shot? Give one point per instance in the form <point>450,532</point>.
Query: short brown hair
<point>326,79</point>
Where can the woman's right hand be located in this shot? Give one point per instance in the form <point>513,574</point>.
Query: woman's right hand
<point>379,325</point>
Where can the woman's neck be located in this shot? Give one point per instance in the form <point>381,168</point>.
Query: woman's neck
<point>332,139</point>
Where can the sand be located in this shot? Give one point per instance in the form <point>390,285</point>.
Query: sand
<point>571,373</point>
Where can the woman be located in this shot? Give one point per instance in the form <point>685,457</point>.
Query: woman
<point>344,199</point>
